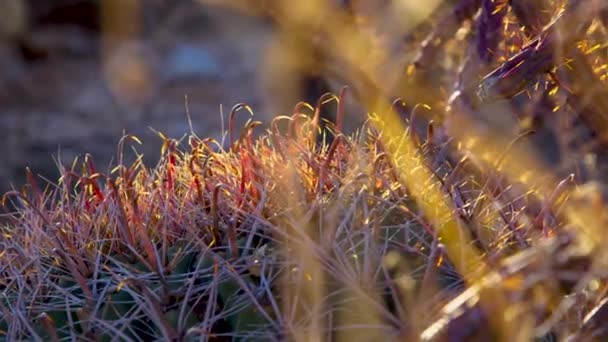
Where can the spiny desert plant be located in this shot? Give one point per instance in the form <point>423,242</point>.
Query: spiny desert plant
<point>281,238</point>
<point>425,224</point>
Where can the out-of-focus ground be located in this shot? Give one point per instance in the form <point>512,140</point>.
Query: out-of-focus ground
<point>75,73</point>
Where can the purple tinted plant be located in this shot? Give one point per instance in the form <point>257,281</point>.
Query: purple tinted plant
<point>532,14</point>
<point>489,28</point>
<point>537,57</point>
<point>431,45</point>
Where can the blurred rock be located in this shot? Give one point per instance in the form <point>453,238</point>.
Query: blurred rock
<point>13,18</point>
<point>190,61</point>
<point>130,72</point>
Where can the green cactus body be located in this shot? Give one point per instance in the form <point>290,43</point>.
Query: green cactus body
<point>190,320</point>
<point>117,306</point>
<point>247,320</point>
